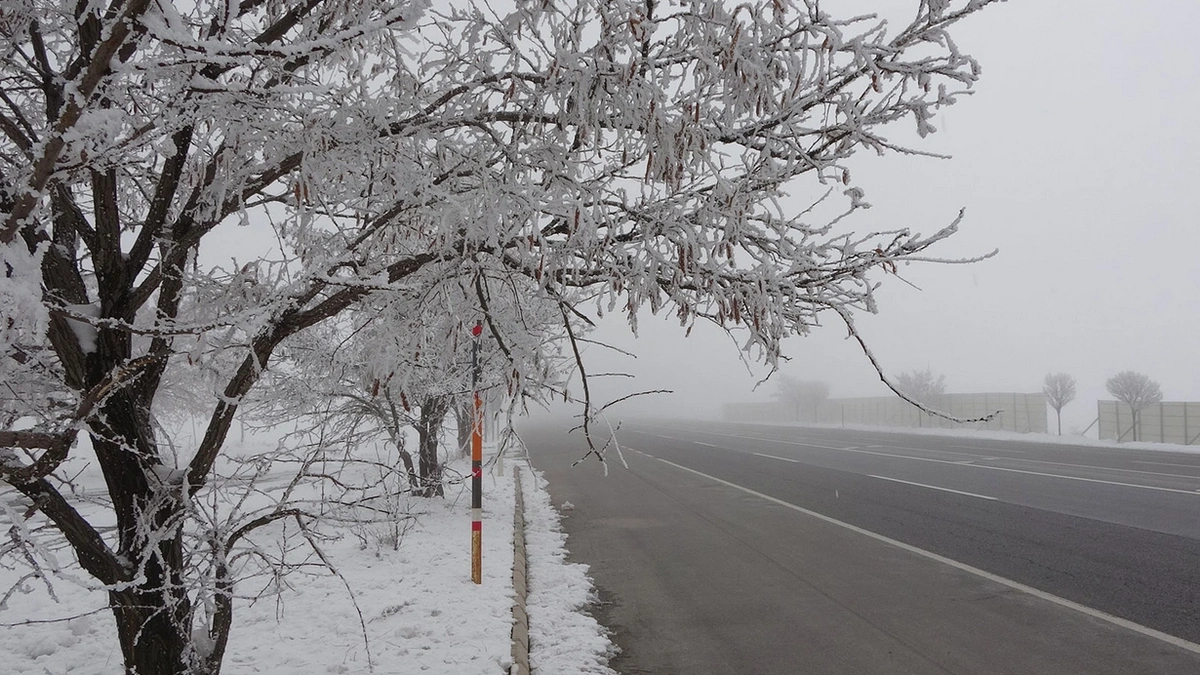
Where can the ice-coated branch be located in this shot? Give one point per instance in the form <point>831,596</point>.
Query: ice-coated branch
<point>898,390</point>
<point>411,168</point>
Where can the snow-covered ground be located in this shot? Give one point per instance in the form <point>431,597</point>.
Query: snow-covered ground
<point>409,610</point>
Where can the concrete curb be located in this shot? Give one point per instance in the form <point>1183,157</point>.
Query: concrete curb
<point>520,629</point>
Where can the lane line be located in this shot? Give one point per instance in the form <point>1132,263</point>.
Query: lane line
<point>1086,480</point>
<point>782,459</point>
<point>1015,585</point>
<point>1192,492</point>
<point>1186,466</point>
<point>708,445</point>
<point>743,436</point>
<point>987,448</point>
<point>934,487</point>
<point>1025,471</point>
<point>805,445</point>
<point>1040,473</point>
<point>1093,466</point>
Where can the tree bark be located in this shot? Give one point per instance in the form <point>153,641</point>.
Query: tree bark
<point>409,469</point>
<point>433,413</point>
<point>464,414</point>
<point>152,627</point>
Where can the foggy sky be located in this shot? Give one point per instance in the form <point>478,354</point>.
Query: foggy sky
<point>1077,158</point>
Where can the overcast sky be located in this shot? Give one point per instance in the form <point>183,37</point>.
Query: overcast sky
<point>1078,157</point>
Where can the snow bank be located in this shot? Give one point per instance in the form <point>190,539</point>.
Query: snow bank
<point>417,604</point>
<point>563,638</point>
<point>413,609</point>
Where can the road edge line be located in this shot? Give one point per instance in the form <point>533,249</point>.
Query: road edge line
<point>939,489</point>
<point>1015,585</point>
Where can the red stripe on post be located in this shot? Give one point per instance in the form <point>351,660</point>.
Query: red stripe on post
<point>476,526</point>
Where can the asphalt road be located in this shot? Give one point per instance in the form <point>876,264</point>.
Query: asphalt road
<point>758,549</point>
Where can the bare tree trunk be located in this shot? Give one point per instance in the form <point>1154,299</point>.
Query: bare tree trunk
<point>433,413</point>
<point>464,414</point>
<point>1058,412</point>
<point>409,469</point>
<point>154,615</point>
<point>151,628</point>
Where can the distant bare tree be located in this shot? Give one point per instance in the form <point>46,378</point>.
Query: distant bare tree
<point>1059,389</point>
<point>802,395</point>
<point>1136,390</point>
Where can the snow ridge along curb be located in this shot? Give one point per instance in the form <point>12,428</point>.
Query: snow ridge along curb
<point>520,629</point>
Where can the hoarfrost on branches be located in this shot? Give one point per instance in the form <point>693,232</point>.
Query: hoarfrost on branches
<point>1059,389</point>
<point>922,385</point>
<point>574,157</point>
<point>1137,391</point>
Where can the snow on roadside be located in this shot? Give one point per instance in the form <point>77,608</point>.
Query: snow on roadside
<point>563,638</point>
<point>420,610</point>
<point>417,604</point>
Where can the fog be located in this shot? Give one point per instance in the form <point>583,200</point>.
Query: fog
<point>1077,158</point>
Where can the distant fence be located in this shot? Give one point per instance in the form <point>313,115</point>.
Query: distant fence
<point>1166,422</point>
<point>1020,412</point>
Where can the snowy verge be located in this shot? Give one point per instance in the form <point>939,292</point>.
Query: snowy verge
<point>414,608</point>
<point>563,638</point>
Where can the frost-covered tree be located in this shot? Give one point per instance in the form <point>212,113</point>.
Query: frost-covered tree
<point>402,360</point>
<point>921,388</point>
<point>922,385</point>
<point>1137,391</point>
<point>613,155</point>
<point>801,396</point>
<point>1059,389</point>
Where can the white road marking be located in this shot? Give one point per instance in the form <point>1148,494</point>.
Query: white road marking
<point>1186,466</point>
<point>799,443</point>
<point>961,451</point>
<point>1085,480</point>
<point>934,487</point>
<point>988,448</point>
<point>1024,471</point>
<point>708,445</point>
<point>975,466</point>
<point>782,459</point>
<point>1098,468</point>
<point>759,438</point>
<point>915,459</point>
<point>1015,585</point>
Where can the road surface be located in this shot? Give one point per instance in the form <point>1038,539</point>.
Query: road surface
<point>761,549</point>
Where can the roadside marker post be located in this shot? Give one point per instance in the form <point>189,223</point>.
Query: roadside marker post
<point>476,463</point>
